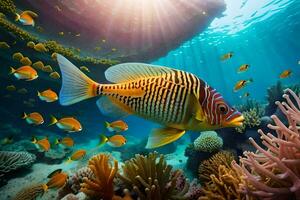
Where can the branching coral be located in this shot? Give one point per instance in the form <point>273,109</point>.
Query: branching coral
<point>210,166</point>
<point>101,186</point>
<point>274,173</point>
<point>76,179</point>
<point>30,193</point>
<point>10,160</point>
<point>251,120</point>
<point>208,141</point>
<point>224,185</point>
<point>151,178</point>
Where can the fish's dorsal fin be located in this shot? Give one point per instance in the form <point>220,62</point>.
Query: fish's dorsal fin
<point>132,71</point>
<point>57,171</point>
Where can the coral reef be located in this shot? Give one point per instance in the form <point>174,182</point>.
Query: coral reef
<point>76,179</point>
<point>251,104</point>
<point>151,178</point>
<point>274,172</point>
<point>210,166</point>
<point>224,185</point>
<point>252,118</point>
<point>30,193</point>
<point>10,161</point>
<point>101,186</point>
<point>79,196</point>
<point>208,141</point>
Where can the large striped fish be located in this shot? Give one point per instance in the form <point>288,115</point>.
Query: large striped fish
<point>176,99</point>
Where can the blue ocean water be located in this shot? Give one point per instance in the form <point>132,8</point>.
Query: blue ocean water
<point>262,34</point>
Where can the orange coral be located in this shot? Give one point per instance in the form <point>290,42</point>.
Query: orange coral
<point>210,166</point>
<point>101,187</point>
<point>224,185</point>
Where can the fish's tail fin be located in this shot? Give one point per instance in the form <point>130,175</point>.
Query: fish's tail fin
<point>33,140</point>
<point>106,124</point>
<point>17,18</point>
<point>57,141</point>
<point>69,160</point>
<point>45,187</point>
<point>24,115</point>
<point>76,86</point>
<point>53,120</point>
<point>12,70</point>
<point>103,140</point>
<point>38,93</point>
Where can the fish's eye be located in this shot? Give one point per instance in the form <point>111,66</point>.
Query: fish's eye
<point>223,108</point>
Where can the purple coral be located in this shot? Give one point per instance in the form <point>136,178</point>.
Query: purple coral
<point>274,173</point>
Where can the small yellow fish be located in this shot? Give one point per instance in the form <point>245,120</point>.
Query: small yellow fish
<point>38,65</point>
<point>68,124</point>
<point>25,61</point>
<point>22,91</point>
<point>116,126</point>
<point>17,56</point>
<point>245,95</point>
<point>47,69</point>
<point>243,68</point>
<point>7,140</point>
<point>113,49</point>
<point>26,18</point>
<point>77,35</point>
<point>84,68</point>
<point>61,33</point>
<point>54,56</point>
<point>30,44</point>
<point>11,88</point>
<point>48,95</point>
<point>42,144</point>
<point>67,141</point>
<point>4,45</point>
<point>34,118</point>
<point>26,72</point>
<point>226,56</point>
<point>58,179</point>
<point>77,155</point>
<point>114,141</point>
<point>285,74</point>
<point>40,47</point>
<point>241,84</point>
<point>54,75</point>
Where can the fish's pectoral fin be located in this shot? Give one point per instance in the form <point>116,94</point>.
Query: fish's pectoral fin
<point>195,109</point>
<point>109,106</point>
<point>162,136</point>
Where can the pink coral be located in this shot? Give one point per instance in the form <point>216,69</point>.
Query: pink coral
<point>274,173</point>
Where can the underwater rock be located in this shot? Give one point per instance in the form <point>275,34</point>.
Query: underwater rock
<point>22,145</point>
<point>30,44</point>
<point>115,37</point>
<point>38,65</point>
<point>79,196</point>
<point>11,161</point>
<point>25,61</point>
<point>40,47</point>
<point>273,171</point>
<point>56,155</point>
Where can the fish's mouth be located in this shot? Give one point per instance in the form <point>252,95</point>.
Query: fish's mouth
<point>236,122</point>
